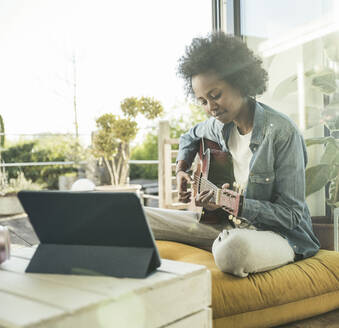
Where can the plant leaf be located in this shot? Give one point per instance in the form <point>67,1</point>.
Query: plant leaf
<point>324,80</point>
<point>332,204</point>
<point>316,177</point>
<point>285,87</point>
<point>319,141</point>
<point>330,153</point>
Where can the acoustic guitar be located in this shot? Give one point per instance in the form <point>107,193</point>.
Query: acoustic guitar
<point>214,168</point>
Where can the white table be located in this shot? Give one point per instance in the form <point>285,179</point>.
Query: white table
<point>178,295</point>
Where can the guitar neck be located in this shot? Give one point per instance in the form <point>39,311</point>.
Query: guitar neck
<point>228,199</point>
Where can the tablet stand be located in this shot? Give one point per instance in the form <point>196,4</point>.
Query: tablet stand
<point>132,262</point>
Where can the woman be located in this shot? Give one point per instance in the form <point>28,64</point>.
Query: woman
<point>268,153</point>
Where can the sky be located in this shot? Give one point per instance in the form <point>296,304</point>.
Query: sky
<point>122,49</point>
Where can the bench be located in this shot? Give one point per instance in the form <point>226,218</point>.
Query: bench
<point>293,292</point>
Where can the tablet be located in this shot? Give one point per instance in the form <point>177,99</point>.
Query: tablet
<point>95,220</point>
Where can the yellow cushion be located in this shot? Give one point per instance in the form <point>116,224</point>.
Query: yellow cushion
<point>293,292</point>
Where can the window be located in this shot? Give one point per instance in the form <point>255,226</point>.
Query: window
<point>298,41</point>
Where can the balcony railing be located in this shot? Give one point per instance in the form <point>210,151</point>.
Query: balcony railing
<point>167,191</point>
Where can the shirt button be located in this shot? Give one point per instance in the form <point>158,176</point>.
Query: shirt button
<point>267,179</point>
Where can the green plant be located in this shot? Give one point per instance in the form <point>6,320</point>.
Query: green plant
<point>112,139</point>
<point>12,186</point>
<point>53,148</point>
<point>182,123</point>
<point>327,171</point>
<point>148,149</point>
<point>70,174</point>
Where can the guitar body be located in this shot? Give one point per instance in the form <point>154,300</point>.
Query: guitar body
<point>215,166</point>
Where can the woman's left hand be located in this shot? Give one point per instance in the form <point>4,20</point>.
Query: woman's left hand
<point>203,199</point>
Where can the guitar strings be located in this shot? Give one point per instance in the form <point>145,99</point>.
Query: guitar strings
<point>204,183</point>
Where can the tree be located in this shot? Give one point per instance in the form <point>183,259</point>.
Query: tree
<point>66,88</point>
<point>149,148</point>
<point>112,139</point>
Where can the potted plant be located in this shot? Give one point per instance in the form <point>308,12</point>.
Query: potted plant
<point>318,176</point>
<point>327,171</point>
<point>111,141</point>
<point>9,203</point>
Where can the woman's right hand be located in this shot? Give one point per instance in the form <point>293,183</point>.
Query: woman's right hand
<point>183,179</point>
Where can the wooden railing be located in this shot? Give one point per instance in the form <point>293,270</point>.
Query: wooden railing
<point>168,193</point>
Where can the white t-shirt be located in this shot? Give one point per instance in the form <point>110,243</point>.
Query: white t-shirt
<point>241,153</point>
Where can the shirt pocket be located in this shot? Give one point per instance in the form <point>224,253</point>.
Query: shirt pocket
<point>262,178</point>
<point>261,186</point>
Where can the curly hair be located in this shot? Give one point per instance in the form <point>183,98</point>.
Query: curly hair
<point>226,56</point>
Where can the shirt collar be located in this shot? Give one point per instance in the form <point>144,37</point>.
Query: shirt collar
<point>258,124</point>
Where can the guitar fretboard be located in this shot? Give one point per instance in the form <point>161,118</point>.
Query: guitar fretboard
<point>226,198</point>
<point>203,184</point>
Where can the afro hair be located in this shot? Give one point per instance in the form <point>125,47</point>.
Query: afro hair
<point>229,58</point>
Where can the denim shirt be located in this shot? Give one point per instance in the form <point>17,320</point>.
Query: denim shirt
<point>274,198</point>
